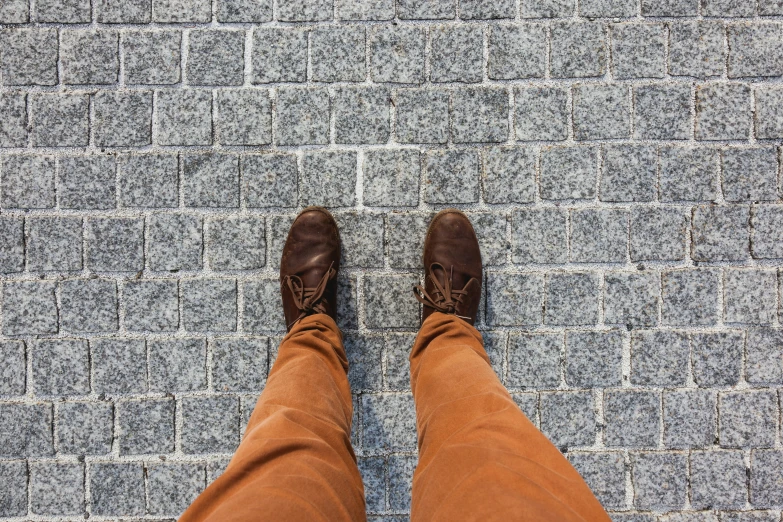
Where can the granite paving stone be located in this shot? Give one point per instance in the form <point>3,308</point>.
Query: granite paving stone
<point>451,177</point>
<point>748,419</point>
<point>604,472</point>
<point>146,426</point>
<point>215,57</point>
<point>720,233</point>
<point>749,296</point>
<point>244,117</point>
<point>638,50</point>
<point>115,244</point>
<point>659,358</point>
<point>89,57</point>
<point>181,11</point>
<point>54,244</point>
<point>514,299</point>
<point>568,172</point>
<point>12,245</point>
<point>718,480</point>
<point>539,236</point>
<point>571,299</point>
<point>123,119</point>
<point>30,308</point>
<point>405,236</point>
<point>177,365</point>
<point>765,225</point>
<point>61,367</point>
<point>660,480</point>
<point>365,9</point>
<point>689,297</point>
<point>362,239</point>
<point>262,310</point>
<point>541,113</point>
<point>631,299</point>
<point>337,53</point>
<point>87,182</point>
<point>662,112</point>
<point>547,8</point>
<point>236,243</point>
<point>762,364</point>
<point>717,358</point>
<point>148,180</point>
<point>210,180</point>
<point>152,57</point>
<point>27,181</point>
<point>173,487</point>
<point>328,178</point>
<point>89,305</point>
<point>509,174</point>
<point>568,418</point>
<point>59,120</point>
<point>422,115</point>
<point>279,55</point>
<point>184,117</point>
<point>13,498</point>
<point>124,12</point>
<point>723,111</point>
<point>239,364</point>
<point>769,119</point>
<point>30,56</point>
<point>305,11</point>
<point>391,177</point>
<point>593,359</point>
<point>209,305</point>
<point>629,173</point>
<point>13,371</point>
<point>696,48</point>
<point>29,430</point>
<point>85,428</point>
<point>599,236</point>
<point>426,9</point>
<point>13,126</point>
<point>63,11</point>
<point>534,360</point>
<point>15,12</point>
<point>56,488</point>
<point>754,50</point>
<point>457,53</point>
<point>175,242</point>
<point>119,366</point>
<point>632,418</point>
<point>397,54</point>
<point>480,115</point>
<point>607,8</point>
<point>151,305</point>
<point>689,418</point>
<point>269,180</point>
<point>361,115</point>
<point>765,474</point>
<point>116,489</point>
<point>516,51</point>
<point>749,174</point>
<point>659,233</point>
<point>578,49</point>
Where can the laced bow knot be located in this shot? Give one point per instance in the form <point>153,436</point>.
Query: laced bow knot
<point>444,298</point>
<point>308,300</point>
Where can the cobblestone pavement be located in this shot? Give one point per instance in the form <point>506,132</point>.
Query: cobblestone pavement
<point>619,159</point>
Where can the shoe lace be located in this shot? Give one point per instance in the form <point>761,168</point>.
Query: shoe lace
<point>444,298</point>
<point>309,300</point>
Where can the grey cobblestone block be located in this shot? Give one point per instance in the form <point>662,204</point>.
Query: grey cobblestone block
<point>401,468</point>
<point>422,115</point>
<point>696,49</point>
<point>124,12</point>
<point>568,172</point>
<point>534,360</point>
<point>148,180</point>
<point>87,182</point>
<point>246,406</point>
<point>608,8</point>
<point>578,50</point>
<point>405,237</point>
<point>365,9</point>
<point>215,57</point>
<point>766,224</point>
<point>177,365</point>
<point>398,347</point>
<point>337,53</point>
<point>236,243</point>
<point>397,54</point>
<point>63,11</point>
<point>480,114</point>
<point>29,308</point>
<point>239,364</point>
<point>688,418</point>
<point>28,430</point>
<point>629,173</point>
<point>514,299</point>
<point>495,345</point>
<point>89,57</point>
<point>723,111</point>
<point>593,359</point>
<point>305,11</point>
<point>302,116</point>
<point>635,517</point>
<point>749,296</point>
<point>85,428</point>
<point>173,487</point>
<point>688,174</point>
<point>328,178</point>
<point>115,244</point>
<point>426,9</point>
<point>717,358</point>
<point>12,244</point>
<point>56,488</point>
<point>54,244</point>
<point>659,480</point>
<point>122,119</point>
<point>571,299</point>
<point>27,181</point>
<point>211,424</point>
<point>146,426</point>
<point>728,8</point>
<point>674,8</point>
<point>658,234</point>
<point>391,177</point>
<point>215,468</point>
<point>451,177</point>
<point>181,11</point>
<point>770,7</point>
<point>638,50</point>
<point>13,498</point>
<point>61,367</point>
<point>279,55</point>
<point>540,113</point>
<point>547,8</point>
<point>364,352</point>
<point>362,238</point>
<point>765,474</point>
<point>720,233</point>
<point>361,115</point>
<point>491,232</point>
<point>633,418</point>
<point>184,117</point>
<point>769,117</point>
<point>605,474</point>
<point>15,12</point>
<point>662,112</point>
<point>457,53</point>
<point>601,112</point>
<point>659,358</point>
<point>59,120</point>
<point>509,174</point>
<point>689,297</point>
<point>211,180</point>
<point>119,366</point>
<point>116,489</point>
<point>244,117</point>
<point>262,311</point>
<point>749,516</point>
<point>631,299</point>
<point>389,303</point>
<point>175,242</point>
<point>539,236</point>
<point>599,235</point>
<point>269,180</point>
<point>528,403</point>
<point>754,50</point>
<point>388,422</point>
<point>516,51</point>
<point>718,480</point>
<point>748,419</point>
<point>151,305</point>
<point>89,305</point>
<point>568,418</point>
<point>255,11</point>
<point>152,57</point>
<point>749,174</point>
<point>209,305</point>
<point>12,374</point>
<point>30,56</point>
<point>762,365</point>
<point>13,119</point>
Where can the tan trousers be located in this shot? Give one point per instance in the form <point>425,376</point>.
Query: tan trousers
<point>480,458</point>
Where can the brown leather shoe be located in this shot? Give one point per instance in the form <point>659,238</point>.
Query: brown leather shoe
<point>452,267</point>
<point>308,269</point>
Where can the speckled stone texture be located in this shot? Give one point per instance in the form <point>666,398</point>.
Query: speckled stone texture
<point>619,160</point>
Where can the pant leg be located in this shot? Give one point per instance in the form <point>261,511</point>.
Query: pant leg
<point>295,462</point>
<point>480,458</point>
